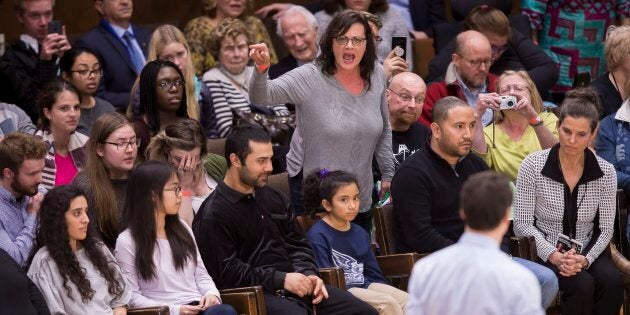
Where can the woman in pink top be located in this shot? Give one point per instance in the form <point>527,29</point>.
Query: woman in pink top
<point>157,252</point>
<point>58,120</point>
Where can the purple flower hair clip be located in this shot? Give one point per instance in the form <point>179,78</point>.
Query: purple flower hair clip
<point>323,173</point>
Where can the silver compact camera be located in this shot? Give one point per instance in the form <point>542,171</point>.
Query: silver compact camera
<point>507,102</point>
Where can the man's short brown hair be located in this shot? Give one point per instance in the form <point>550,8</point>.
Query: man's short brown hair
<point>18,147</point>
<point>18,5</point>
<point>485,198</point>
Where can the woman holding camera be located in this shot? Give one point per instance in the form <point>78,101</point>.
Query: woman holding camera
<point>567,192</point>
<point>518,130</point>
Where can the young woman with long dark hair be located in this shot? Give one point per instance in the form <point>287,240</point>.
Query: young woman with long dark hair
<point>75,273</point>
<point>157,238</point>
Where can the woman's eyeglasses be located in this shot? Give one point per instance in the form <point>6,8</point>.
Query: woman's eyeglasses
<point>168,85</point>
<point>176,189</point>
<point>343,40</point>
<point>124,146</point>
<point>84,74</point>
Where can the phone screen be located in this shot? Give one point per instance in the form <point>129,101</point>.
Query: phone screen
<point>54,27</point>
<point>401,43</point>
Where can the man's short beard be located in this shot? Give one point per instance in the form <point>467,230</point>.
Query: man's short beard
<point>20,190</point>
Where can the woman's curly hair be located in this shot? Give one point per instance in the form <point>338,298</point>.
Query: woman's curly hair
<point>231,28</point>
<point>52,233</point>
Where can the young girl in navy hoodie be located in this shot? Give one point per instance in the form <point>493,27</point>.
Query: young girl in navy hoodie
<point>337,242</point>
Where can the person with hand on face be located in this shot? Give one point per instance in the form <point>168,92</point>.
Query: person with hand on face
<point>162,100</point>
<point>298,29</point>
<point>183,145</point>
<point>33,58</point>
<point>59,117</point>
<point>111,154</point>
<point>199,30</point>
<point>337,242</point>
<point>76,273</point>
<point>80,67</point>
<point>518,130</point>
<point>341,107</point>
<point>158,253</point>
<point>392,64</point>
<point>568,191</point>
<point>21,163</point>
<point>467,75</point>
<point>248,235</point>
<point>120,47</point>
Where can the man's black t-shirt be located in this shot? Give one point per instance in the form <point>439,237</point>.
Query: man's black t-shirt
<point>405,143</point>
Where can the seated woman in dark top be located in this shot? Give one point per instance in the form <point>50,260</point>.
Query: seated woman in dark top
<point>16,287</point>
<point>111,154</point>
<point>162,100</point>
<point>610,86</point>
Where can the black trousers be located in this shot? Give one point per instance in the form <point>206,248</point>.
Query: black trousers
<point>338,302</point>
<point>295,185</point>
<point>596,290</point>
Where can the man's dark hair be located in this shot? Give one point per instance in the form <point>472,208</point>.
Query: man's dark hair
<point>485,198</point>
<point>238,141</point>
<point>443,106</point>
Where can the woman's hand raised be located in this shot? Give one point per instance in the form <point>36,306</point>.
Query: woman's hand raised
<point>260,54</point>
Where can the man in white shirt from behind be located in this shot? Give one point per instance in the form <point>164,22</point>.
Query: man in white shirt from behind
<point>474,276</point>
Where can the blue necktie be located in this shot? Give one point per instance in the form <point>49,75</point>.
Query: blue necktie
<point>136,58</point>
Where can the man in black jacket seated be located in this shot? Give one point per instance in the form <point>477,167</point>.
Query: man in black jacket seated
<point>426,188</point>
<point>247,235</point>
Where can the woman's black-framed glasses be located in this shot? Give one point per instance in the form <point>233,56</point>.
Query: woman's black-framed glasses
<point>343,40</point>
<point>124,146</point>
<point>84,74</point>
<point>176,189</point>
<point>168,85</point>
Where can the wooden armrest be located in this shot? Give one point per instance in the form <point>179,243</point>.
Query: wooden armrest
<point>523,247</point>
<point>333,277</point>
<point>155,310</point>
<point>398,265</point>
<point>246,300</point>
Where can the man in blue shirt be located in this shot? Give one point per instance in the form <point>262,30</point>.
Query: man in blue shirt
<point>474,276</point>
<point>21,163</point>
<point>120,47</point>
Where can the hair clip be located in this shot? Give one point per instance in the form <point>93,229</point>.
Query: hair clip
<point>323,173</point>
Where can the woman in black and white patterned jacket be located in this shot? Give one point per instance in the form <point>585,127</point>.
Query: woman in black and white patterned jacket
<point>569,190</point>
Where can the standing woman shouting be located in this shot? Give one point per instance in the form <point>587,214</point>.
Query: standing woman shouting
<point>340,104</point>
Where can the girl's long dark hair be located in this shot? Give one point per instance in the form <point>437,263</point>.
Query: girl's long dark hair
<point>321,185</point>
<point>145,189</point>
<point>52,233</point>
<point>339,26</point>
<point>148,90</point>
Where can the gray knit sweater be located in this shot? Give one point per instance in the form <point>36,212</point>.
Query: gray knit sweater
<point>338,131</point>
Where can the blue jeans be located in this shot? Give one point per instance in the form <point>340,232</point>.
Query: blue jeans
<point>546,277</point>
<point>219,309</point>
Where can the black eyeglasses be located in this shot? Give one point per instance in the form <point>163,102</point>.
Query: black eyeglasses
<point>343,40</point>
<point>176,189</point>
<point>168,85</point>
<point>84,74</point>
<point>124,146</point>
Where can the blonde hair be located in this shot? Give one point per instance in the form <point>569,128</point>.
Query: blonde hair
<point>617,45</point>
<point>210,7</point>
<point>163,36</point>
<point>536,100</point>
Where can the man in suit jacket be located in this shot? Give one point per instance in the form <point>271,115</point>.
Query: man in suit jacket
<point>298,29</point>
<point>120,47</point>
<point>31,61</point>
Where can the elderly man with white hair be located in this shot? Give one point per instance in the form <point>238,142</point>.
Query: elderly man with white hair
<point>298,29</point>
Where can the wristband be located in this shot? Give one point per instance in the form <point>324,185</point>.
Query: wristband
<point>186,193</point>
<point>262,68</point>
<point>536,121</point>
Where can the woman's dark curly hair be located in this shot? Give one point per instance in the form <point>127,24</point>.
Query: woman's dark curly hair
<point>148,93</point>
<point>376,6</point>
<point>52,233</point>
<point>339,26</point>
<point>323,185</point>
